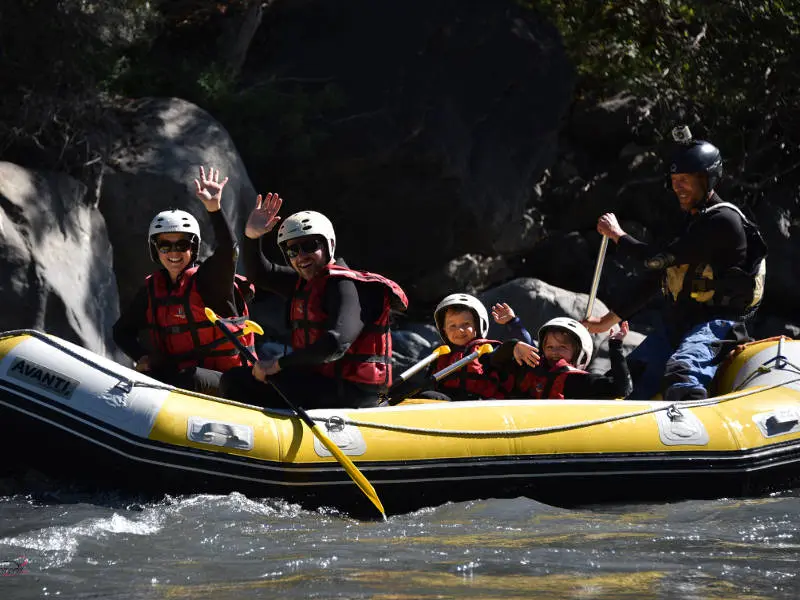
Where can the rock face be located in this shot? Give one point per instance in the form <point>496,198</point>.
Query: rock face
<point>780,225</point>
<point>451,113</point>
<point>153,168</point>
<point>57,265</point>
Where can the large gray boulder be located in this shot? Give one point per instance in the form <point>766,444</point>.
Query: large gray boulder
<point>780,225</point>
<point>450,114</point>
<point>56,260</point>
<point>155,160</point>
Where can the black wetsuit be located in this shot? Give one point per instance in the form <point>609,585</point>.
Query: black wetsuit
<point>615,383</point>
<point>717,238</point>
<point>349,305</point>
<point>681,357</point>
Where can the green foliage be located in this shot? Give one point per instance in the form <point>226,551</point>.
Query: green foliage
<point>287,118</point>
<point>55,56</point>
<point>65,63</point>
<point>731,68</point>
<point>268,119</point>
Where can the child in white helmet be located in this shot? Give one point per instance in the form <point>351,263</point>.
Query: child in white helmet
<point>566,348</point>
<point>165,330</point>
<point>463,324</point>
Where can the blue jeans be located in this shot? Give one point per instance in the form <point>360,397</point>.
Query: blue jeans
<point>683,372</point>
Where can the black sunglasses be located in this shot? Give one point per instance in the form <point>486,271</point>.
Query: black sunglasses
<point>165,247</point>
<point>308,246</point>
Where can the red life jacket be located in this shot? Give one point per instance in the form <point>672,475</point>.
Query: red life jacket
<point>473,379</point>
<point>180,329</point>
<point>368,360</point>
<point>543,383</point>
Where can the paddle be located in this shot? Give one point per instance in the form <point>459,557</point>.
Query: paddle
<point>598,268</point>
<point>450,369</point>
<point>351,469</point>
<point>440,351</point>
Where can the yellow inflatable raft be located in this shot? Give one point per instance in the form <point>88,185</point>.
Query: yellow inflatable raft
<point>69,412</point>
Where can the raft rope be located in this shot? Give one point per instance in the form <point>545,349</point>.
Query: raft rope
<point>673,411</point>
<point>126,384</point>
<point>335,422</point>
<point>781,362</point>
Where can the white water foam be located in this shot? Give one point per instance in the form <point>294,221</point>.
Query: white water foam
<point>59,545</point>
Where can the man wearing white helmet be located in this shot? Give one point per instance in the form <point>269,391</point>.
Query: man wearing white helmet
<point>341,343</point>
<point>567,347</point>
<point>183,347</point>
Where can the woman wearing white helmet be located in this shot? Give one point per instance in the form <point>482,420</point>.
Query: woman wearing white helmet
<point>341,344</point>
<point>182,347</point>
<point>463,324</point>
<point>567,347</point>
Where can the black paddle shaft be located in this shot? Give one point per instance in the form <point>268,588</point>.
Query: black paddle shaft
<point>251,357</point>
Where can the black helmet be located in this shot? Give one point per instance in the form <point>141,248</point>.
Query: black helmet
<point>697,156</point>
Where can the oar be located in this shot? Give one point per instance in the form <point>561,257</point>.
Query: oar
<point>448,370</point>
<point>351,469</point>
<point>598,268</point>
<point>440,351</point>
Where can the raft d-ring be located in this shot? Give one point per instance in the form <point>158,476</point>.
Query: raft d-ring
<point>334,423</point>
<point>674,413</point>
<point>124,385</point>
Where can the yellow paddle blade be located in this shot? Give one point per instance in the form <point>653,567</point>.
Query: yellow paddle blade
<point>484,349</point>
<point>252,327</point>
<point>350,468</point>
<point>343,460</point>
<point>249,326</point>
<point>441,350</point>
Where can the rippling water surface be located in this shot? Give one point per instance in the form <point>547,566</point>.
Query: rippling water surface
<point>223,547</point>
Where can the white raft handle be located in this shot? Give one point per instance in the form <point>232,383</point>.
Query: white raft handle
<point>780,359</point>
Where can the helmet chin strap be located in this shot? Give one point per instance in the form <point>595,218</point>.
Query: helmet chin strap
<point>703,204</point>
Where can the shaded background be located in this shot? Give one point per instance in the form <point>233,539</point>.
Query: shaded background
<point>456,145</point>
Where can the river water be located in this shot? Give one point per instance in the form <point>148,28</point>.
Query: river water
<point>234,547</point>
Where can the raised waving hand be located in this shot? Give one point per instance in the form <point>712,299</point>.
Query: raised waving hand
<point>502,313</point>
<point>264,216</point>
<point>209,189</point>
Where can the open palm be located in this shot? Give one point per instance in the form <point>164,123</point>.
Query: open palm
<point>502,313</point>
<point>264,216</point>
<point>209,189</point>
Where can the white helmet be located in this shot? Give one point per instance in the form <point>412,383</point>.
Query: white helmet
<point>173,221</point>
<point>306,223</point>
<point>580,332</point>
<point>467,301</point>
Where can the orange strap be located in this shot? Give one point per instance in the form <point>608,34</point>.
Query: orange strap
<point>740,348</point>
